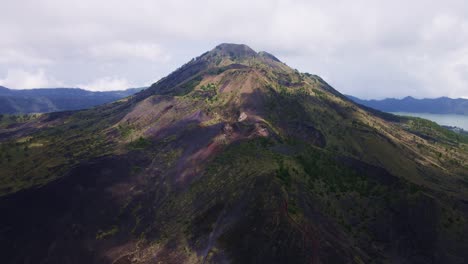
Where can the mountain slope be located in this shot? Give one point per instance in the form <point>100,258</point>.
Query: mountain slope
<point>234,157</point>
<point>55,99</point>
<point>442,105</point>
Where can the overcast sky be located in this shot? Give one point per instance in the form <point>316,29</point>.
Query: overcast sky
<point>371,49</point>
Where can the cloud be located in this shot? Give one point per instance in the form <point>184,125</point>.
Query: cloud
<point>369,48</point>
<point>17,57</point>
<point>126,51</point>
<point>21,79</point>
<point>107,84</point>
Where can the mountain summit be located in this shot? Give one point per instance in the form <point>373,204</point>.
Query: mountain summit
<point>238,52</point>
<point>233,51</point>
<point>222,57</point>
<point>232,158</point>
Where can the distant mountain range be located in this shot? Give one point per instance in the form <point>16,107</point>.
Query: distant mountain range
<point>442,105</point>
<point>55,99</point>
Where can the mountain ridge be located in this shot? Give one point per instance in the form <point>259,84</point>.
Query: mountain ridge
<point>43,100</point>
<point>440,105</point>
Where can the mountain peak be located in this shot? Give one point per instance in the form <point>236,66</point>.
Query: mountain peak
<point>230,52</point>
<point>219,59</point>
<point>234,50</point>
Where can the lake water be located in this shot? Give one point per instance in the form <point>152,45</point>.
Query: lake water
<point>441,119</point>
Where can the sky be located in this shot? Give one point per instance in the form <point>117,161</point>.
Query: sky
<point>370,49</point>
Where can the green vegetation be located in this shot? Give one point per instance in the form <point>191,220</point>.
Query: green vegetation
<point>190,85</point>
<point>140,143</point>
<point>108,233</point>
<point>283,174</point>
<point>434,131</point>
<point>125,130</point>
<point>211,87</point>
<point>6,120</point>
<point>50,152</point>
<point>208,93</point>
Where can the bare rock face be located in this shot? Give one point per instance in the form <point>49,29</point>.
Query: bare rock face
<point>242,117</point>
<point>261,130</point>
<point>228,129</point>
<point>234,51</point>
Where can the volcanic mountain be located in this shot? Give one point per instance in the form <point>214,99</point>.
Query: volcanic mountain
<point>232,158</point>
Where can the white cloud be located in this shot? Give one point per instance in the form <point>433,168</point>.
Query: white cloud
<point>125,51</point>
<point>369,48</point>
<point>107,84</point>
<point>21,79</point>
<point>16,57</point>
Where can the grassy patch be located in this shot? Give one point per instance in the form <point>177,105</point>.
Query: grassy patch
<point>140,143</point>
<point>107,233</point>
<point>189,86</point>
<point>283,173</point>
<point>125,130</point>
<point>433,130</point>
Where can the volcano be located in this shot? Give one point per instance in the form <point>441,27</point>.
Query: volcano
<point>233,158</point>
